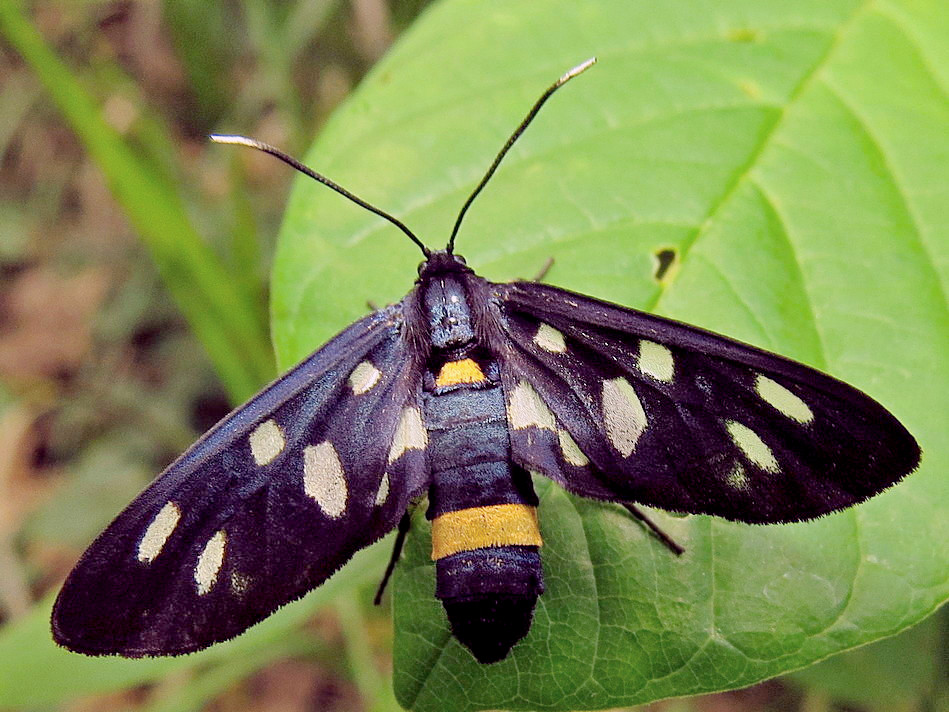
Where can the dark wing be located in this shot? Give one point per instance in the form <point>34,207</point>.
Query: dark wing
<point>617,404</point>
<point>264,507</point>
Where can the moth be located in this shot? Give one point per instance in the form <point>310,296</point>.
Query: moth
<point>461,392</point>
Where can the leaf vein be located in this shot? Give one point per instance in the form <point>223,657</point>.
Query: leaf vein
<point>893,179</point>
<point>766,139</point>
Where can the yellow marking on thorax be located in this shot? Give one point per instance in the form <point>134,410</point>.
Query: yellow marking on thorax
<point>464,371</point>
<point>483,527</point>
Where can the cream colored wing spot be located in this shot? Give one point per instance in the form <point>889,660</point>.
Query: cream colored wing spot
<point>783,400</point>
<point>266,442</point>
<point>736,478</point>
<point>623,415</point>
<point>157,533</point>
<point>750,443</point>
<point>239,583</point>
<point>655,360</point>
<point>409,435</point>
<point>571,451</point>
<point>382,494</point>
<point>526,408</point>
<point>549,339</point>
<point>210,561</point>
<point>363,378</point>
<point>323,479</point>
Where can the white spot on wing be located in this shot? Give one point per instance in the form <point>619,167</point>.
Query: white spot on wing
<point>783,400</point>
<point>409,435</point>
<point>364,377</point>
<point>549,339</point>
<point>737,478</point>
<point>623,414</point>
<point>571,451</point>
<point>323,478</point>
<point>655,360</point>
<point>753,446</point>
<point>239,583</point>
<point>210,561</point>
<point>527,409</point>
<point>158,532</point>
<point>266,442</point>
<point>383,493</point>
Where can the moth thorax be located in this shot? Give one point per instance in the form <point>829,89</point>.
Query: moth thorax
<point>449,317</point>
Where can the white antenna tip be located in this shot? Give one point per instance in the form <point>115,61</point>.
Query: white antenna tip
<point>227,138</point>
<point>579,69</point>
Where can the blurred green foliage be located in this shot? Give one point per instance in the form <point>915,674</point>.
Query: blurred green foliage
<point>793,156</point>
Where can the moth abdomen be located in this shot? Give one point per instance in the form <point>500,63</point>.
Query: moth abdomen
<point>489,596</point>
<point>483,509</point>
<point>488,574</point>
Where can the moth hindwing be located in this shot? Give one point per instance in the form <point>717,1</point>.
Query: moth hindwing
<point>460,392</point>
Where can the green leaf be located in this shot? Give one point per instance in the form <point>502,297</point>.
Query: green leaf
<point>897,673</point>
<point>793,155</point>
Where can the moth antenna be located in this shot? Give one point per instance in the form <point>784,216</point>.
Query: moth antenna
<point>290,160</point>
<point>570,74</point>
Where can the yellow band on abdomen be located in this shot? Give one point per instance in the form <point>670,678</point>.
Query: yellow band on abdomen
<point>464,371</point>
<point>481,527</point>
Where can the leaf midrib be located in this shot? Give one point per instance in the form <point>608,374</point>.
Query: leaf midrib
<point>744,175</point>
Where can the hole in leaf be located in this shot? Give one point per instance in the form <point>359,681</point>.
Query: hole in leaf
<point>664,258</point>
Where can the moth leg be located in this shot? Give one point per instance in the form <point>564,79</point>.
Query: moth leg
<point>654,528</point>
<point>372,305</point>
<point>544,270</point>
<point>404,525</point>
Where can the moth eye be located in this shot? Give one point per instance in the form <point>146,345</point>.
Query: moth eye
<point>209,562</point>
<point>323,478</point>
<point>750,443</point>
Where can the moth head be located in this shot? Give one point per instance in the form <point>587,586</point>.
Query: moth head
<point>441,262</point>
